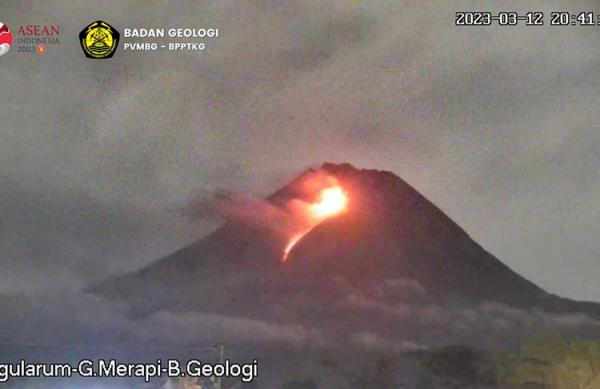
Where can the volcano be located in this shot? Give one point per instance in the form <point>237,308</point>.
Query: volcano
<point>389,245</point>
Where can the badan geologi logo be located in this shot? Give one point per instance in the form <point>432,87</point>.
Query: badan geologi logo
<point>5,39</point>
<point>99,40</point>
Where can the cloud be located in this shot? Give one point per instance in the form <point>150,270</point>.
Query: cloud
<point>206,328</point>
<point>84,320</point>
<point>286,214</point>
<point>287,86</point>
<point>242,209</point>
<point>371,341</point>
<point>60,321</point>
<point>484,325</point>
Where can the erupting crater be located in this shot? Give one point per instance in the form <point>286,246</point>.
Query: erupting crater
<point>329,202</point>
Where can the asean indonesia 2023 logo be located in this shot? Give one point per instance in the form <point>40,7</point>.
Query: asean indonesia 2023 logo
<point>99,40</point>
<point>5,39</point>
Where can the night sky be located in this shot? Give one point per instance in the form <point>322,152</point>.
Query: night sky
<point>102,161</point>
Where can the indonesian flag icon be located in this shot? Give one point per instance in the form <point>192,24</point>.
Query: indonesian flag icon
<point>5,39</point>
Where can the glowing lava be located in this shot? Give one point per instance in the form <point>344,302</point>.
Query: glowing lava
<point>292,243</point>
<point>330,202</point>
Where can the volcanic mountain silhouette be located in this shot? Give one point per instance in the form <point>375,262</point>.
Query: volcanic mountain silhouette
<point>390,232</point>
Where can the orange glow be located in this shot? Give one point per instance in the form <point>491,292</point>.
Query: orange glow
<point>330,202</point>
<point>291,244</point>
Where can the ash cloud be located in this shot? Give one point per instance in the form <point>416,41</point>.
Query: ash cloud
<point>240,208</point>
<point>286,216</point>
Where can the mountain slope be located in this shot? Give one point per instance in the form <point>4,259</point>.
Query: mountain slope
<point>389,233</point>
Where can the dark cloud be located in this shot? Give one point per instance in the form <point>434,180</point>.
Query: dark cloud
<point>497,126</point>
<point>60,318</point>
<point>206,328</point>
<point>483,325</point>
<point>396,324</point>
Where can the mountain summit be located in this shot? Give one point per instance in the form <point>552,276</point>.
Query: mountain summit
<point>387,234</point>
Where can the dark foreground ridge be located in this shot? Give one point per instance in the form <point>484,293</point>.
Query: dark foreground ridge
<point>390,233</point>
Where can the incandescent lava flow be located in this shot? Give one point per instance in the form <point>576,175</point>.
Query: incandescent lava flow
<point>330,201</point>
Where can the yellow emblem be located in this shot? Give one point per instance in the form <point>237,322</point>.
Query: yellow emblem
<point>99,40</point>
